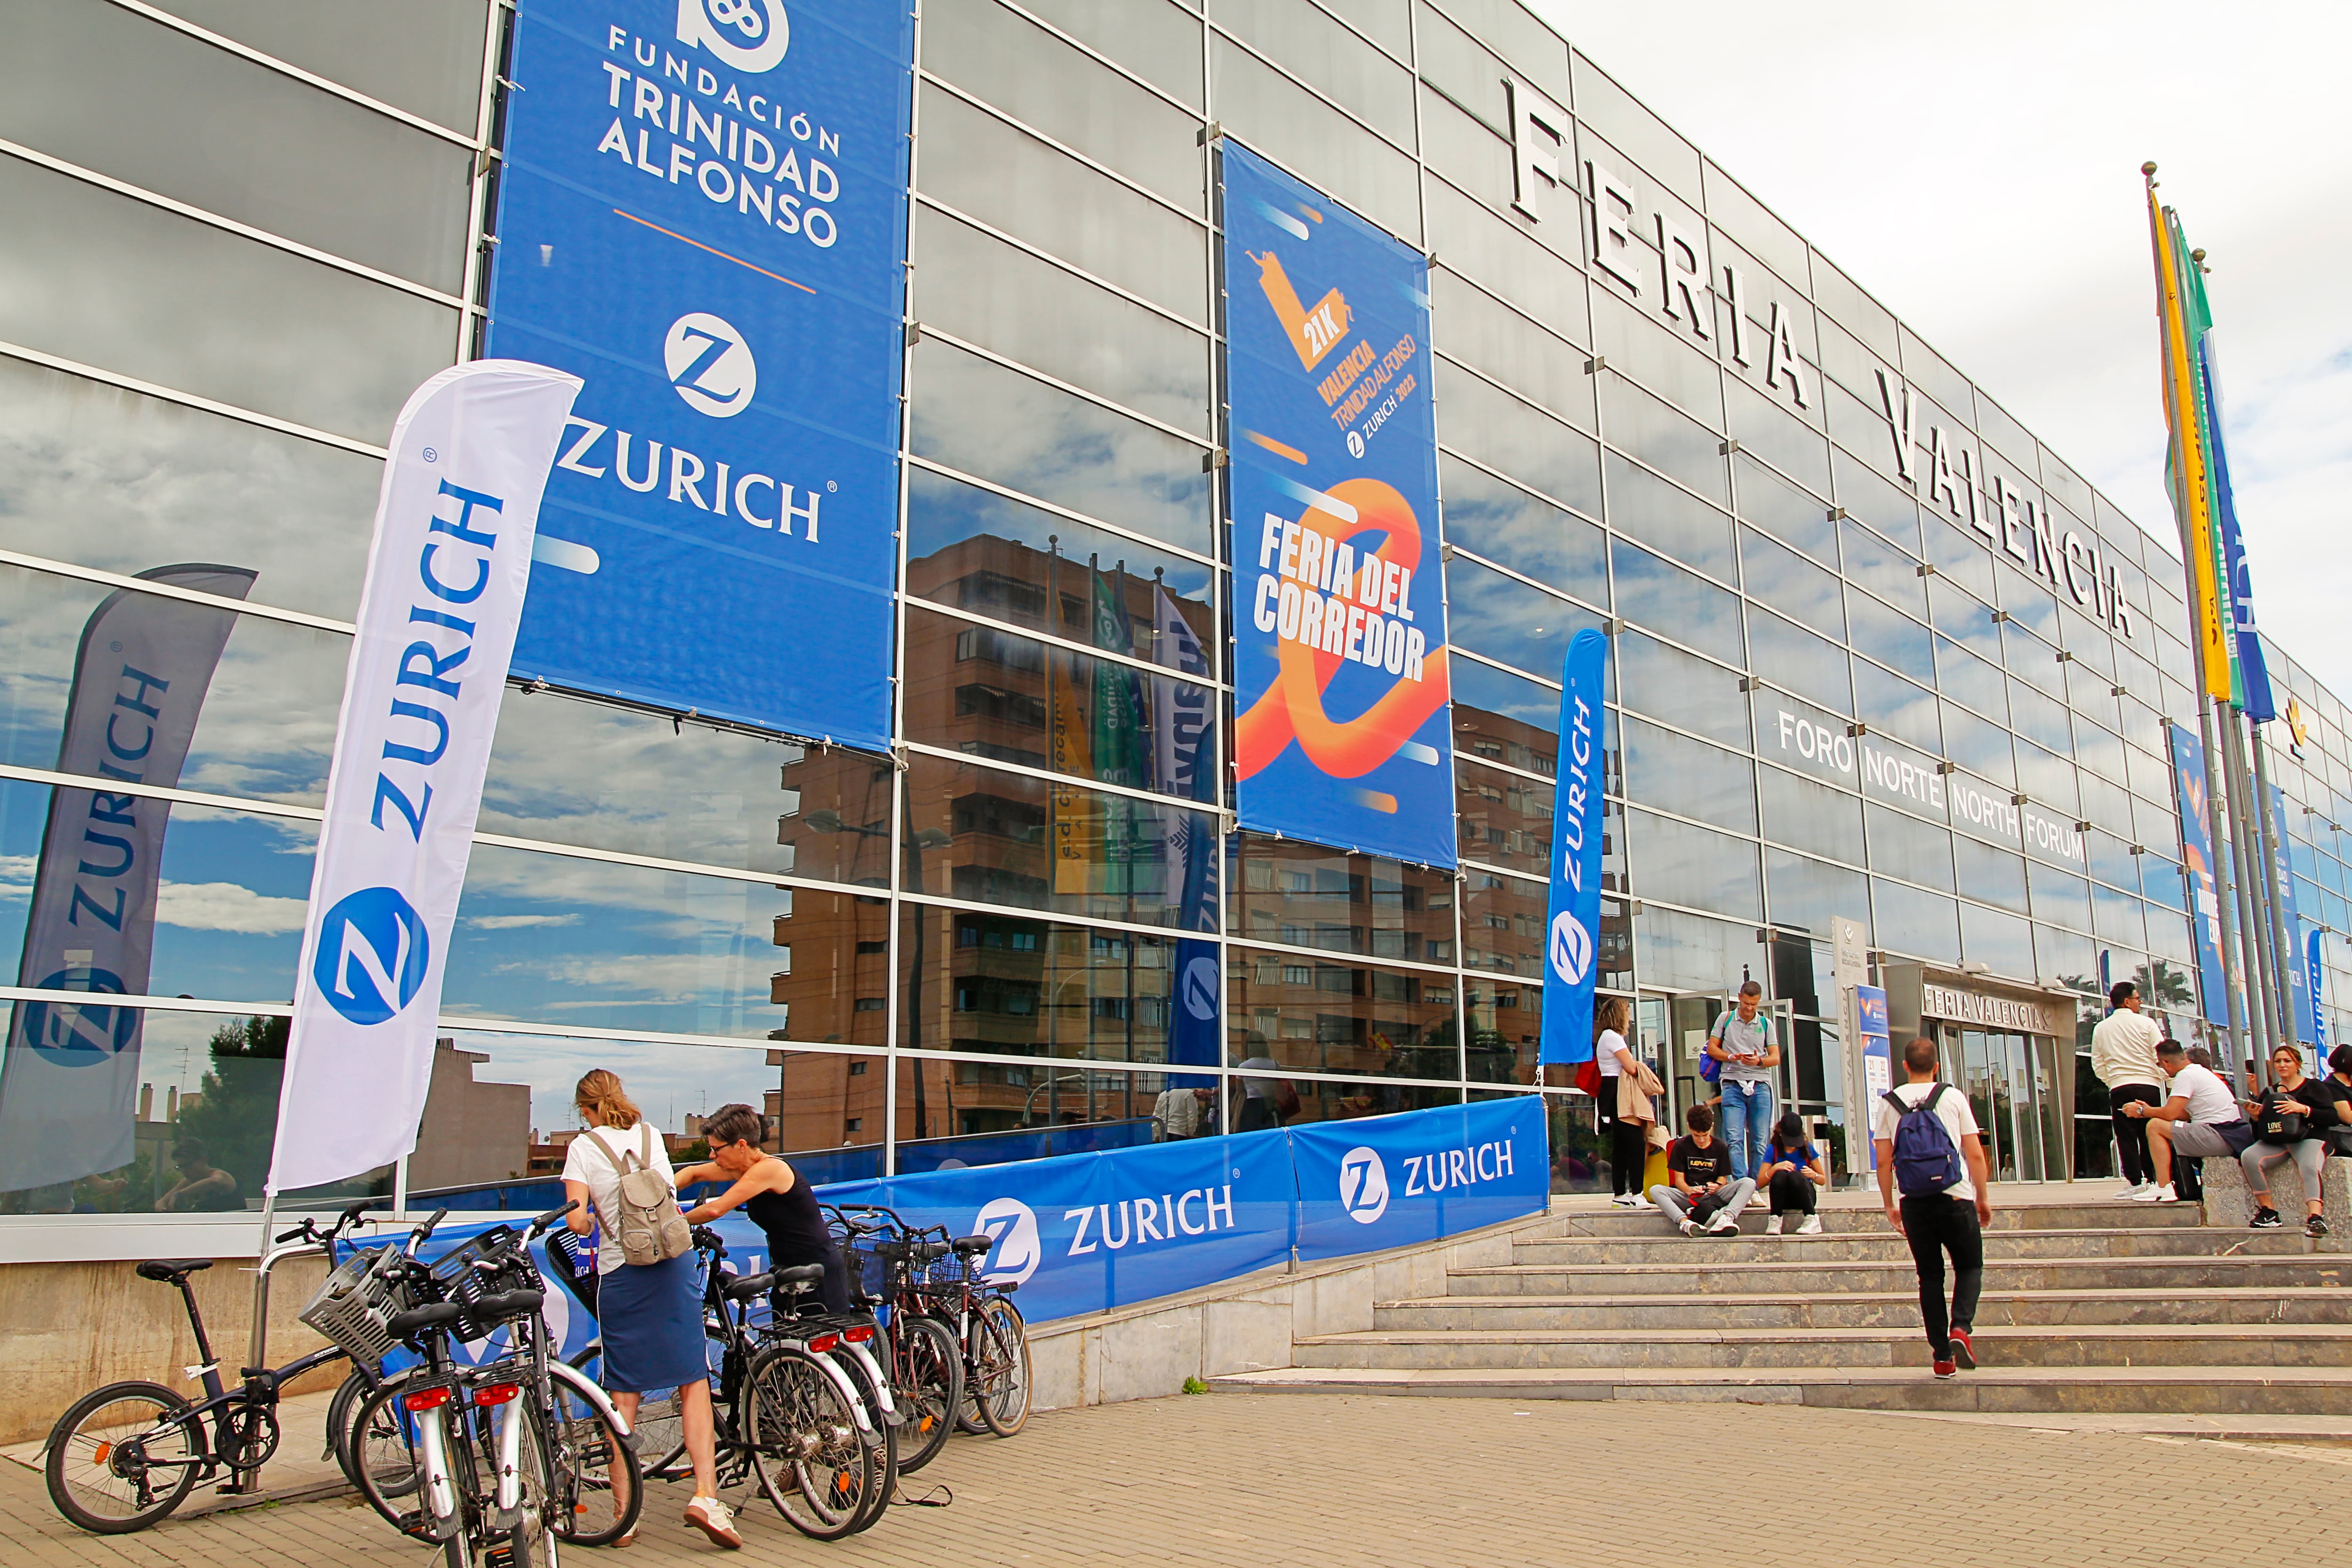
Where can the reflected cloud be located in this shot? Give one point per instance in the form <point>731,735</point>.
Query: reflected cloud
<point>225,906</point>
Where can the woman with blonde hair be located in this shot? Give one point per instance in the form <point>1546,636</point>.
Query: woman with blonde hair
<point>648,1315</point>
<point>1625,1111</point>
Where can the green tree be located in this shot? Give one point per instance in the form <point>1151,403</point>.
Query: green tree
<point>236,1118</point>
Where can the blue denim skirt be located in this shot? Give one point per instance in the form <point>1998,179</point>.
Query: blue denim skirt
<point>650,1317</point>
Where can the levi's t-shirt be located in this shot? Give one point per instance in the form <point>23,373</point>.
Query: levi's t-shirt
<point>1700,1167</point>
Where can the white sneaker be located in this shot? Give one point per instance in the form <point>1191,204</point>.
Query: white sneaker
<point>1812,1225</point>
<point>1772,1226</point>
<point>1723,1225</point>
<point>1690,1227</point>
<point>2163,1194</point>
<point>1642,1201</point>
<point>1624,1201</point>
<point>2134,1192</point>
<point>715,1520</point>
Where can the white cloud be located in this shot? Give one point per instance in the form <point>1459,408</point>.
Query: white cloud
<point>518,922</point>
<point>225,906</point>
<point>1981,179</point>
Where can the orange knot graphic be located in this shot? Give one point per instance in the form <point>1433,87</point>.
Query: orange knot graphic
<point>1292,708</point>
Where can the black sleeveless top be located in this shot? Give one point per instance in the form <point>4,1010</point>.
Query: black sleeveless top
<point>796,1232</point>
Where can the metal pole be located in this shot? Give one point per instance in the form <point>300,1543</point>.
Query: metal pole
<point>2230,981</point>
<point>257,1343</point>
<point>2259,990</point>
<point>2275,886</point>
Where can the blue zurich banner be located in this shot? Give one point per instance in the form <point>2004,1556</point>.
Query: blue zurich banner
<point>2197,845</point>
<point>1084,1233</point>
<point>2298,978</point>
<point>1343,730</point>
<point>2318,972</point>
<point>703,213</point>
<point>1573,929</point>
<point>1392,1180</point>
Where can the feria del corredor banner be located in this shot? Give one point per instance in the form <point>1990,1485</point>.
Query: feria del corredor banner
<point>455,522</point>
<point>1343,729</point>
<point>702,213</point>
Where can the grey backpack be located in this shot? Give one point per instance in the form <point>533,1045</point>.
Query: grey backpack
<point>646,1226</point>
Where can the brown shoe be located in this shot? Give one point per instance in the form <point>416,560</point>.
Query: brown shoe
<point>715,1520</point>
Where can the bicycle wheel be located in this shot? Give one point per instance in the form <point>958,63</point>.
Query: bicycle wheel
<point>804,1445</point>
<point>531,1542</point>
<point>117,1461</point>
<point>882,1438</point>
<point>599,1486</point>
<point>658,1434</point>
<point>385,1465</point>
<point>1001,1365</point>
<point>340,1410</point>
<point>926,1373</point>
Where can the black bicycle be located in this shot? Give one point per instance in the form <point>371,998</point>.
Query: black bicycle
<point>123,1457</point>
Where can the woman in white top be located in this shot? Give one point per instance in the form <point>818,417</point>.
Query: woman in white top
<point>1629,1137</point>
<point>649,1315</point>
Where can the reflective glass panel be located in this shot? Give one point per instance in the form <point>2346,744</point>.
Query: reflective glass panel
<point>1682,863</point>
<point>1656,593</point>
<point>993,983</point>
<point>1690,778</point>
<point>1524,532</point>
<point>1685,691</point>
<point>1347,1020</point>
<point>1304,895</point>
<point>1505,619</point>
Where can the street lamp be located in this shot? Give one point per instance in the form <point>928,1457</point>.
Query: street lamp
<point>828,821</point>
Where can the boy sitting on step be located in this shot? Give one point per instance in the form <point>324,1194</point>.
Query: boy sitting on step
<point>1700,1188</point>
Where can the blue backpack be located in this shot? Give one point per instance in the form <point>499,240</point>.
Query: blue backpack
<point>1926,1163</point>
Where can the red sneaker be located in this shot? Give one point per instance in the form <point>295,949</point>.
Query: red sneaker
<point>1964,1350</point>
<point>1945,1369</point>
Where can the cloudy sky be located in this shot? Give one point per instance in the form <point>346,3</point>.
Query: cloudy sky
<point>1977,170</point>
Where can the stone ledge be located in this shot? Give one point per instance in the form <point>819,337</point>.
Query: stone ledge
<point>2229,1205</point>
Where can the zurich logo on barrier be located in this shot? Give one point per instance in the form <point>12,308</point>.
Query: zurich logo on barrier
<point>68,1035</point>
<point>1201,988</point>
<point>1363,1184</point>
<point>373,951</point>
<point>750,35</point>
<point>1013,1225</point>
<point>1570,948</point>
<point>709,364</point>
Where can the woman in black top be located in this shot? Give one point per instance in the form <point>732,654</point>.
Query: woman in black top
<point>772,1194</point>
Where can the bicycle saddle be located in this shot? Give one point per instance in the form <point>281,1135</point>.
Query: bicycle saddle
<point>805,1274</point>
<point>744,1289</point>
<point>974,1245</point>
<point>172,1269</point>
<point>437,1314</point>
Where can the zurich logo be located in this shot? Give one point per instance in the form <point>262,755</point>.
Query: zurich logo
<point>1363,1185</point>
<point>1013,1225</point>
<point>1200,989</point>
<point>1572,948</point>
<point>68,1035</point>
<point>750,35</point>
<point>373,951</point>
<point>709,364</point>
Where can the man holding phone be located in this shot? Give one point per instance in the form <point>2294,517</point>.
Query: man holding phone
<point>1741,1041</point>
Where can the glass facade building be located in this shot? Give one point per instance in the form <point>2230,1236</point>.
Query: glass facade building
<point>1879,654</point>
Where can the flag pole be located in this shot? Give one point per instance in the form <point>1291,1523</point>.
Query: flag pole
<point>2253,933</point>
<point>2289,1030</point>
<point>2175,379</point>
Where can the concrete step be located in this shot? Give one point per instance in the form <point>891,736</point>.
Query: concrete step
<point>2271,1346</point>
<point>2152,1310</point>
<point>1869,1219</point>
<point>1884,1245</point>
<point>1802,1276</point>
<point>2171,1390</point>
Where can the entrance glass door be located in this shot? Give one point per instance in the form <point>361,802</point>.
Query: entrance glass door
<point>2010,1082</point>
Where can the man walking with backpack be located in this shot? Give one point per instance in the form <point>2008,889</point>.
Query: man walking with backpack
<point>1927,1145</point>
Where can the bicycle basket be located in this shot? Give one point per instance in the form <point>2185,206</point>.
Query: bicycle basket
<point>353,1306</point>
<point>489,1263</point>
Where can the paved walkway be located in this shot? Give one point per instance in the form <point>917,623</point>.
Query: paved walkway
<point>1243,1482</point>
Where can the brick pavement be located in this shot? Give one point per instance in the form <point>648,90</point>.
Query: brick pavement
<point>1241,1482</point>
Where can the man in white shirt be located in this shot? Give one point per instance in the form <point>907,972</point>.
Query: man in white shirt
<point>2200,1120</point>
<point>1935,1222</point>
<point>2122,1057</point>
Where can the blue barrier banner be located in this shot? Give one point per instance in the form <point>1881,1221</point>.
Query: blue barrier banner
<point>1574,927</point>
<point>1392,1180</point>
<point>1084,1233</point>
<point>2318,974</point>
<point>703,213</point>
<point>2197,843</point>
<point>1339,668</point>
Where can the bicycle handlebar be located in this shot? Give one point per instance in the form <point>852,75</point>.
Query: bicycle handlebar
<point>418,1237</point>
<point>546,1221</point>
